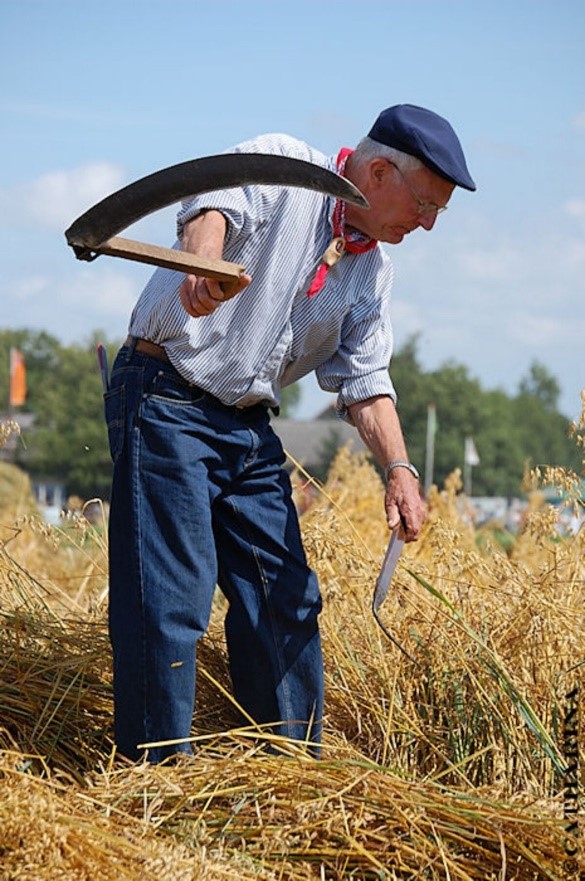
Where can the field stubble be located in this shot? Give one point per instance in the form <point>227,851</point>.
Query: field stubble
<point>451,767</point>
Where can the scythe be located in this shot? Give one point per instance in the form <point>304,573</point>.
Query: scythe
<point>95,231</point>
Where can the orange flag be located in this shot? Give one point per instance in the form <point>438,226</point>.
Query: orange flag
<point>17,378</point>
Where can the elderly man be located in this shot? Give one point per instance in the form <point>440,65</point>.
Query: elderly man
<point>199,494</point>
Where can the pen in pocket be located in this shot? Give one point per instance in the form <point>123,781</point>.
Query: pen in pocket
<point>103,363</point>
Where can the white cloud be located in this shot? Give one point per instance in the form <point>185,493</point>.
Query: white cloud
<point>78,115</point>
<point>574,256</point>
<point>106,293</point>
<point>72,306</point>
<point>576,208</point>
<point>406,316</point>
<point>496,264</point>
<point>28,289</point>
<point>537,330</point>
<point>53,200</point>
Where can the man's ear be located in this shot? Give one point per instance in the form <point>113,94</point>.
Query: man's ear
<point>379,168</point>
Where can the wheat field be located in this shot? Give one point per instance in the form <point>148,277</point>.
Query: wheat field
<point>451,745</point>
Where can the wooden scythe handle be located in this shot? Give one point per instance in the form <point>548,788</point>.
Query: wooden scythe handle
<point>168,258</point>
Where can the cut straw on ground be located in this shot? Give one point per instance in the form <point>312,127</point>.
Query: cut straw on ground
<point>453,768</point>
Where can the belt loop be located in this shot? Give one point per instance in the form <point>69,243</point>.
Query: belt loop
<point>131,347</point>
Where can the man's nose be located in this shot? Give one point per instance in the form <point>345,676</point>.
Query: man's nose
<point>427,220</point>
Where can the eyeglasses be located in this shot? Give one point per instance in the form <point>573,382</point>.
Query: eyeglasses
<point>422,206</point>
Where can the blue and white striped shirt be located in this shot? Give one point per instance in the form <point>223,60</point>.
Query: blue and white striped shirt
<point>272,334</point>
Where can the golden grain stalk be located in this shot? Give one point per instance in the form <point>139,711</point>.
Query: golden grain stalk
<point>450,769</point>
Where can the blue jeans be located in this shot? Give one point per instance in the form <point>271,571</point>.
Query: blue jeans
<point>199,498</point>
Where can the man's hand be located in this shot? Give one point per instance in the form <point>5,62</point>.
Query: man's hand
<point>205,235</point>
<point>404,505</point>
<point>201,296</point>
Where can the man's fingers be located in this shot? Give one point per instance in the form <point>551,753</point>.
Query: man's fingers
<point>195,297</point>
<point>405,510</point>
<point>202,296</point>
<point>393,516</point>
<point>229,289</point>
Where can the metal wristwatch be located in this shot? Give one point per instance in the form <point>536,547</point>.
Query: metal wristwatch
<point>408,465</point>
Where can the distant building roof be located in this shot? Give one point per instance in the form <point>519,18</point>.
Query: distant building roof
<point>308,440</point>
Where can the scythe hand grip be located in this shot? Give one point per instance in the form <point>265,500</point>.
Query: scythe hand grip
<point>169,258</point>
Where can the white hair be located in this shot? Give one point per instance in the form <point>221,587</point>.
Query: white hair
<point>368,149</point>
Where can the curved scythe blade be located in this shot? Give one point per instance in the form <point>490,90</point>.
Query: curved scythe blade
<point>155,191</point>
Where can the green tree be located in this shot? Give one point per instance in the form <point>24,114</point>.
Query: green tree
<point>541,385</point>
<point>458,405</point>
<point>500,448</point>
<point>509,433</point>
<point>69,440</point>
<point>542,429</point>
<point>457,401</point>
<point>328,449</point>
<point>414,396</point>
<point>41,354</point>
<point>291,395</point>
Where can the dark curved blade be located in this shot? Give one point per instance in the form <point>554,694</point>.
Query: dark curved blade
<point>124,207</point>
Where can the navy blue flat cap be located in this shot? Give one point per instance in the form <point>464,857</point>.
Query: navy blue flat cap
<point>427,136</point>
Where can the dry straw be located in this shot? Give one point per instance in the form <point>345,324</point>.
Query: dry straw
<point>450,769</point>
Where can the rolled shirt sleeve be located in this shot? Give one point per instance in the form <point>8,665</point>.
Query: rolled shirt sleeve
<point>248,207</point>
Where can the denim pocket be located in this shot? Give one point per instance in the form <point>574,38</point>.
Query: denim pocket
<point>171,387</point>
<point>115,410</point>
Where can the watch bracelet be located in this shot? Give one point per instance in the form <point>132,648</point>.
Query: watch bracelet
<point>400,464</point>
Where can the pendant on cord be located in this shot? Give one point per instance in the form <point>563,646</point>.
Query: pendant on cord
<point>335,250</point>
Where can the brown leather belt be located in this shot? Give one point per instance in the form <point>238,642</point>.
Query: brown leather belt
<point>146,347</point>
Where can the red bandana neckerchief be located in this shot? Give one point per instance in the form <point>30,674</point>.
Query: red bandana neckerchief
<point>353,241</point>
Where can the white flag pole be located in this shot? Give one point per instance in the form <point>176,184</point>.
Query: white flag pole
<point>470,459</point>
<point>430,447</point>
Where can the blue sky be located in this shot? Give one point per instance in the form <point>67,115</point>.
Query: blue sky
<point>95,95</point>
